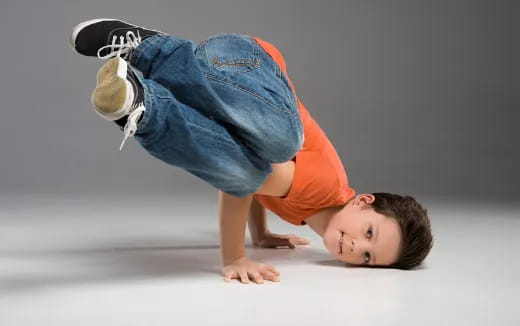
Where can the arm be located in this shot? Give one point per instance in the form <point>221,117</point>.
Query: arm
<point>233,213</point>
<point>261,235</point>
<point>257,222</point>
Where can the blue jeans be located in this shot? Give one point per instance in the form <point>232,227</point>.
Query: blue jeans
<point>221,110</point>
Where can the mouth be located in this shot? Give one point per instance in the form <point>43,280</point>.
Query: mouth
<point>341,242</point>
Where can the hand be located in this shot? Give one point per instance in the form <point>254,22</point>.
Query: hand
<point>242,268</point>
<point>273,240</point>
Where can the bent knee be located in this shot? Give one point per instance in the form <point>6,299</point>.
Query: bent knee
<point>283,148</point>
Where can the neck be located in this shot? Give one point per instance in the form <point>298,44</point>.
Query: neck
<point>319,221</point>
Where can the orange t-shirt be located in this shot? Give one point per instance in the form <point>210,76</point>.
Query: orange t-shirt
<point>320,179</point>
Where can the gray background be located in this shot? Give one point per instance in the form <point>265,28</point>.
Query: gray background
<point>419,97</point>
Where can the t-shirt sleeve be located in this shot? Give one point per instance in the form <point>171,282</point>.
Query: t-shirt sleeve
<point>315,185</point>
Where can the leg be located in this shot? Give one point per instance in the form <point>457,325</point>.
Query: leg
<point>181,136</point>
<point>226,137</point>
<point>230,79</point>
<point>227,77</point>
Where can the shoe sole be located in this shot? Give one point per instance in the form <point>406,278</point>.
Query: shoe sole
<point>76,29</point>
<point>113,95</point>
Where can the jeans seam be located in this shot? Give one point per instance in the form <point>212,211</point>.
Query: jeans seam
<point>249,92</point>
<point>277,70</point>
<point>215,135</point>
<point>148,93</point>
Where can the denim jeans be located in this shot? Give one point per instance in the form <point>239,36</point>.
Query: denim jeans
<point>221,110</point>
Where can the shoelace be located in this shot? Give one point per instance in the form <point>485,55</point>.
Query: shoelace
<point>121,48</point>
<point>131,123</point>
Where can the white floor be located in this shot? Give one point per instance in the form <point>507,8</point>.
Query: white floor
<point>79,260</point>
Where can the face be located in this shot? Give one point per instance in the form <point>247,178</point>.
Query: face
<point>358,235</point>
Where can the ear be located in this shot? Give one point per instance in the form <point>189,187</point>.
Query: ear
<point>364,199</point>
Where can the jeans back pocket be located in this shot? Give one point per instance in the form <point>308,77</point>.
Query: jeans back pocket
<point>231,53</point>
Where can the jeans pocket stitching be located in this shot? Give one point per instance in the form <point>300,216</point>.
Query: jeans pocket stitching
<point>252,63</point>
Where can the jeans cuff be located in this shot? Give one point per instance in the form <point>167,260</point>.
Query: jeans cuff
<point>143,49</point>
<point>135,56</point>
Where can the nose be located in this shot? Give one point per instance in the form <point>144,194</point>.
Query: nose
<point>349,243</point>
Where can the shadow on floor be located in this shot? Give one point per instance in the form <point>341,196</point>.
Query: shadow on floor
<point>39,269</point>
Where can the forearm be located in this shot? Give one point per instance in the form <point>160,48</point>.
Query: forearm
<point>233,214</point>
<point>257,221</point>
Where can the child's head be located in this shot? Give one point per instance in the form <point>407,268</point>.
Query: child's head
<point>380,229</point>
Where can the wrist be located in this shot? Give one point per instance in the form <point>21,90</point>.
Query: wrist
<point>232,253</point>
<point>231,260</point>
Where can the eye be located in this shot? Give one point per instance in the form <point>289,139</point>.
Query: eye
<point>369,233</point>
<point>366,257</point>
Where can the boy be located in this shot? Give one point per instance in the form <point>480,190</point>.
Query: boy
<point>226,111</point>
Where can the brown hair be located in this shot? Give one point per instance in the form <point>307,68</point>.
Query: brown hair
<point>416,235</point>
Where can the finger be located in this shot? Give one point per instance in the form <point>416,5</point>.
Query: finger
<point>266,243</point>
<point>229,276</point>
<point>243,277</point>
<point>268,275</point>
<point>294,236</point>
<point>277,242</point>
<point>271,277</point>
<point>287,243</point>
<point>257,277</point>
<point>281,242</point>
<point>300,241</point>
<point>272,269</point>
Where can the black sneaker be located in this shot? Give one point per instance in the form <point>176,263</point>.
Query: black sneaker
<point>119,96</point>
<point>106,38</point>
